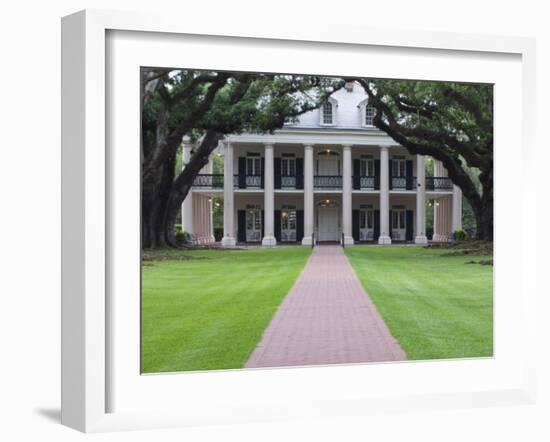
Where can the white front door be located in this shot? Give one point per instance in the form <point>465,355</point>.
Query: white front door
<point>328,224</point>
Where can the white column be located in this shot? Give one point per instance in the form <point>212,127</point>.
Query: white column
<point>211,171</point>
<point>420,237</point>
<point>228,239</point>
<point>384,197</point>
<point>440,231</point>
<point>308,194</point>
<point>187,205</point>
<point>347,195</point>
<point>269,198</point>
<point>457,209</point>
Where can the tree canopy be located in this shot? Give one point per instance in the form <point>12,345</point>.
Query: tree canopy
<point>206,106</point>
<point>452,122</point>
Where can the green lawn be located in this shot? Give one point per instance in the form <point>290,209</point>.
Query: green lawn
<point>436,307</point>
<point>209,312</point>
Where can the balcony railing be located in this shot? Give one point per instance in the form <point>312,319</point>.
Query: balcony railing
<point>327,181</point>
<point>248,181</point>
<point>403,183</point>
<point>214,181</point>
<point>364,182</point>
<point>438,183</point>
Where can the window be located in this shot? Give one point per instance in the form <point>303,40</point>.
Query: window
<point>288,166</point>
<point>398,218</point>
<point>366,217</point>
<point>288,223</point>
<point>369,115</point>
<point>327,117</point>
<point>253,165</point>
<point>288,218</point>
<point>367,166</point>
<point>253,222</point>
<point>398,167</point>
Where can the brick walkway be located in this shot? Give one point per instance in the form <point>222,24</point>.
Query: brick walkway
<point>326,318</point>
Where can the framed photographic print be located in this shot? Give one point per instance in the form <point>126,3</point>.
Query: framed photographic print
<point>261,225</point>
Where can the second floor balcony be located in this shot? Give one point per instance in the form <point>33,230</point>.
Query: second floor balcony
<point>322,182</point>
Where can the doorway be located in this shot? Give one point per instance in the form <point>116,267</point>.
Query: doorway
<point>328,221</point>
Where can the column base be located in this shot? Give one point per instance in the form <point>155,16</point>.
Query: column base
<point>440,238</point>
<point>228,241</point>
<point>384,240</point>
<point>349,241</point>
<point>306,240</point>
<point>269,241</point>
<point>420,239</point>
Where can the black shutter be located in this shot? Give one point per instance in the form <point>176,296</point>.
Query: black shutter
<point>409,225</point>
<point>263,224</point>
<point>355,224</point>
<point>277,225</point>
<point>299,225</point>
<point>241,225</point>
<point>277,172</point>
<point>299,173</point>
<point>242,172</point>
<point>389,176</point>
<point>390,224</point>
<point>376,233</point>
<point>409,172</point>
<point>356,174</point>
<point>377,175</point>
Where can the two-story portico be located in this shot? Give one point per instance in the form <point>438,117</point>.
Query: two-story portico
<point>329,177</point>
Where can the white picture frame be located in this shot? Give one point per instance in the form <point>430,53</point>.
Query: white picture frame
<point>87,207</point>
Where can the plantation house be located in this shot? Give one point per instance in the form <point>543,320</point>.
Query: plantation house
<point>328,176</point>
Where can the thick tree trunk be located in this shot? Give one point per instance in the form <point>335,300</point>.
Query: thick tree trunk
<point>155,196</point>
<point>483,207</point>
<point>183,183</point>
<point>485,229</point>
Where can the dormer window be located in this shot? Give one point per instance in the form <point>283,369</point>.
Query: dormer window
<point>369,115</point>
<point>328,113</point>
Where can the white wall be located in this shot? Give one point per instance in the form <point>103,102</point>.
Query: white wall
<point>30,220</point>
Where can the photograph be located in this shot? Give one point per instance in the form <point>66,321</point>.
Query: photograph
<point>294,220</point>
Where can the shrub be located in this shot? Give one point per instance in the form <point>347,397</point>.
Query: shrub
<point>429,232</point>
<point>182,236</point>
<point>218,233</point>
<point>459,235</point>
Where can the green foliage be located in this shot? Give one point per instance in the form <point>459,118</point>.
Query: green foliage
<point>217,212</point>
<point>457,110</point>
<point>180,235</point>
<point>217,164</point>
<point>264,101</point>
<point>459,235</point>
